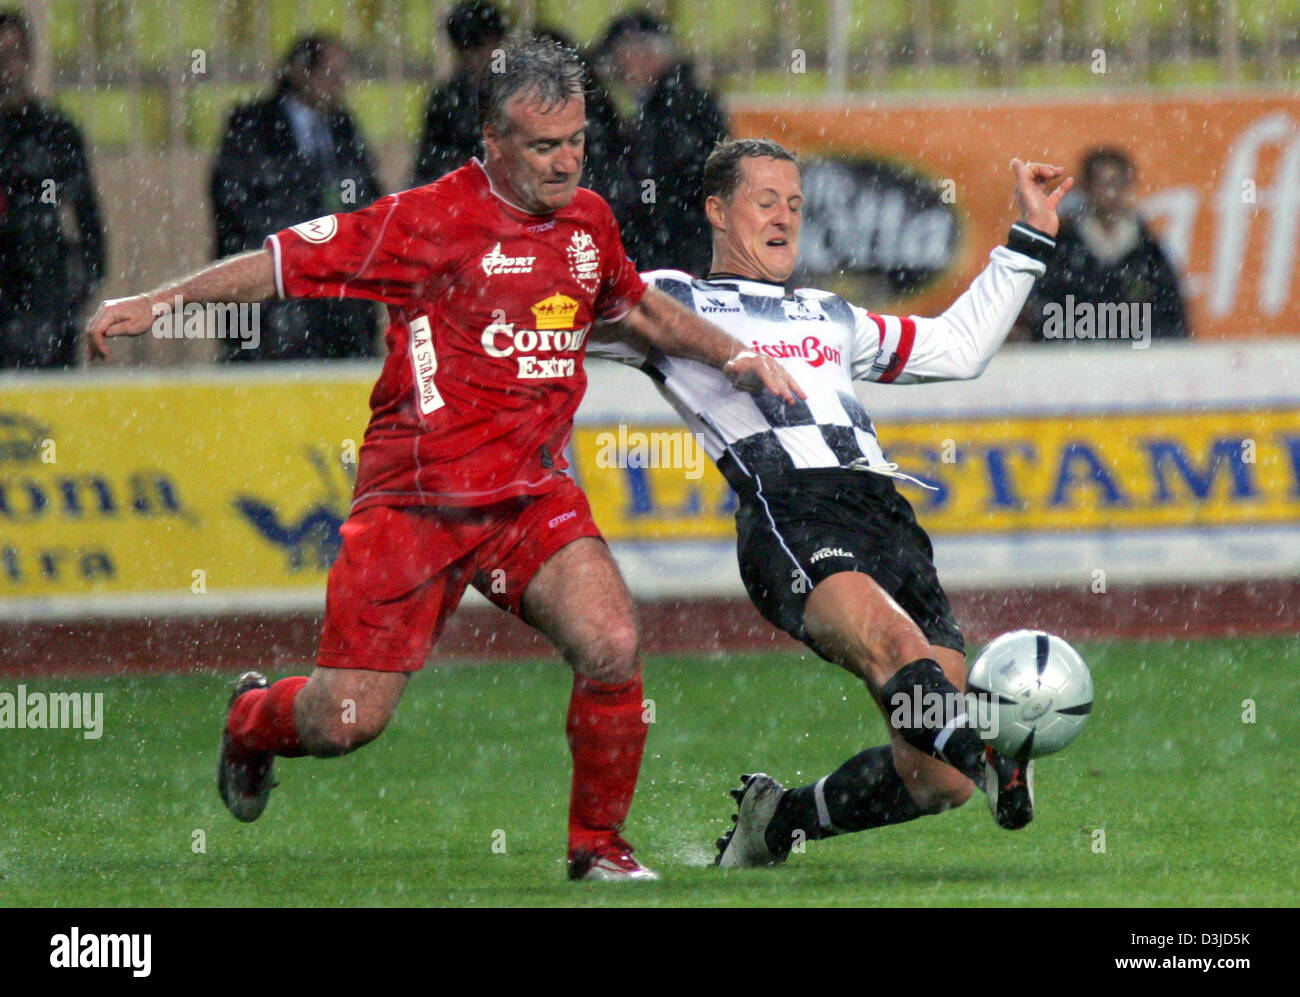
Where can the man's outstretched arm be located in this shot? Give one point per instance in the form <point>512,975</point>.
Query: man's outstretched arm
<point>960,343</point>
<point>673,329</point>
<point>247,277</point>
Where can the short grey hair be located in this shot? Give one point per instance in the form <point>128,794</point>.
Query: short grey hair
<point>722,168</point>
<point>535,66</point>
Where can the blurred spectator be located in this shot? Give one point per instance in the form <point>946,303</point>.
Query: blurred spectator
<point>607,167</point>
<point>452,134</point>
<point>1105,254</point>
<point>676,126</point>
<point>289,158</point>
<point>51,241</point>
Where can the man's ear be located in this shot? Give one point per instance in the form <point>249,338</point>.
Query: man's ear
<point>713,211</point>
<point>490,138</point>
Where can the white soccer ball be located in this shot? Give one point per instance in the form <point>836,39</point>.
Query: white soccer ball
<point>1034,693</point>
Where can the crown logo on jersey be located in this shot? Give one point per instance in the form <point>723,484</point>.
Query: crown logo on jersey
<point>556,312</point>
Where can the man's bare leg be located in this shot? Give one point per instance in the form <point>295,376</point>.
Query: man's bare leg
<point>342,709</point>
<point>856,623</point>
<point>579,601</point>
<point>330,713</point>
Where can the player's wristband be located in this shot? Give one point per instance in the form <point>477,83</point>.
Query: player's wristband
<point>1031,242</point>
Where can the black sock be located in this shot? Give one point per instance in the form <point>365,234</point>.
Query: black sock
<point>864,792</point>
<point>946,733</point>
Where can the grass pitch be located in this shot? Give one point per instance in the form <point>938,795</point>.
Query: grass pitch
<point>463,800</point>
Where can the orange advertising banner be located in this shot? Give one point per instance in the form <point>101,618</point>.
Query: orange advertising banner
<point>1218,178</point>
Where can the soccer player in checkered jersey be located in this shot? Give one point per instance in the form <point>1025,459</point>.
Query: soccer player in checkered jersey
<point>829,550</point>
<point>492,278</point>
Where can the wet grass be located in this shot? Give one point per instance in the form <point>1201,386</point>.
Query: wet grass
<point>463,800</point>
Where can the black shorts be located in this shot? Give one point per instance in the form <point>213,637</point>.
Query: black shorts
<point>797,529</point>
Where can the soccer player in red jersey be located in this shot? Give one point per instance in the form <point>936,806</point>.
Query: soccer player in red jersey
<point>492,278</point>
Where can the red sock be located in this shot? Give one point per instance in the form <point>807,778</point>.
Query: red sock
<point>262,719</point>
<point>606,736</point>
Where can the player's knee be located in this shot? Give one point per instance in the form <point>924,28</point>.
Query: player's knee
<point>353,724</point>
<point>941,791</point>
<point>342,737</point>
<point>879,652</point>
<point>612,655</point>
<point>902,644</point>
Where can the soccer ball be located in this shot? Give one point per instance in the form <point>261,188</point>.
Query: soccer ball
<point>1034,693</point>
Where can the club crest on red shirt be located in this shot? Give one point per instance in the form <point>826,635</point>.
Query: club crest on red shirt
<point>584,260</point>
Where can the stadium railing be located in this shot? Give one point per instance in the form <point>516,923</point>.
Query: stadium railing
<point>126,69</point>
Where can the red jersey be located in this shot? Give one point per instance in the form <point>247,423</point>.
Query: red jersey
<point>489,308</point>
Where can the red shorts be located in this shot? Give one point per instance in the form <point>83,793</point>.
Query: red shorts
<point>402,570</point>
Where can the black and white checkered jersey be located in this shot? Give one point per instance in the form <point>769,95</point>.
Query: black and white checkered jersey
<point>826,343</point>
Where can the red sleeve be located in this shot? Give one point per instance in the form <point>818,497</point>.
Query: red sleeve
<point>621,287</point>
<point>389,251</point>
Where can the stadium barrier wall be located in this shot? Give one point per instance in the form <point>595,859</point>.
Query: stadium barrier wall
<point>215,491</point>
<point>114,492</point>
<point>1087,466</point>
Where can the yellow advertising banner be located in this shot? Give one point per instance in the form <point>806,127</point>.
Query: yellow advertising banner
<point>635,497</point>
<point>192,487</point>
<point>233,486</point>
<point>1014,473</point>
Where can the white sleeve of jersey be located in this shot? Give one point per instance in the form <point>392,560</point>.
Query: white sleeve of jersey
<point>959,343</point>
